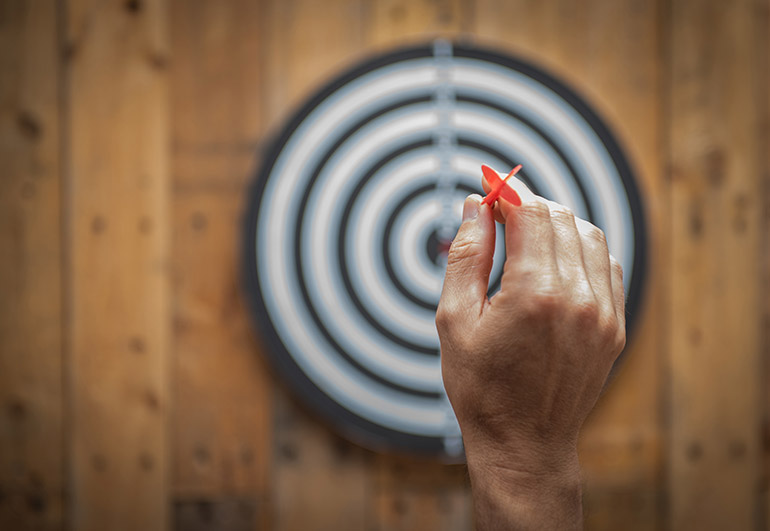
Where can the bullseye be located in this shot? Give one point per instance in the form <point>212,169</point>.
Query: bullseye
<point>437,248</point>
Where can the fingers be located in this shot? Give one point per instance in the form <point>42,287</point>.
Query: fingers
<point>469,261</point>
<point>545,237</point>
<point>600,272</point>
<point>597,259</point>
<point>569,254</point>
<point>530,248</point>
<point>547,243</point>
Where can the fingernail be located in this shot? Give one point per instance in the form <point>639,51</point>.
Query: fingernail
<point>471,207</point>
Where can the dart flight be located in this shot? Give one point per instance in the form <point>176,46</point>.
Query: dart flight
<point>499,188</point>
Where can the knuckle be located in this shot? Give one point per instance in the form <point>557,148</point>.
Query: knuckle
<point>620,339</point>
<point>553,206</point>
<point>562,214</point>
<point>594,235</point>
<point>450,312</point>
<point>608,326</point>
<point>587,312</point>
<point>443,317</point>
<point>463,248</point>
<point>449,325</point>
<point>544,304</point>
<point>446,315</point>
<point>536,209</point>
<point>445,325</point>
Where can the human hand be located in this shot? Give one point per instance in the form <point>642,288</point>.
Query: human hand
<point>524,368</point>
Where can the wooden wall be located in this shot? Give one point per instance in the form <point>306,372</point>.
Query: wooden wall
<point>133,394</point>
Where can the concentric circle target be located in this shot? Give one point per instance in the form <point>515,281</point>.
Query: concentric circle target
<point>356,204</point>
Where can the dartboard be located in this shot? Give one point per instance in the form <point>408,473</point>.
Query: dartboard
<point>355,205</point>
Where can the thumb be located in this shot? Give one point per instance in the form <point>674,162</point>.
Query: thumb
<point>470,259</point>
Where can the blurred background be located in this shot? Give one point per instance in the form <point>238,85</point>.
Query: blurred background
<point>133,390</point>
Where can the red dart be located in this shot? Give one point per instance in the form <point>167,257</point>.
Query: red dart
<point>499,188</point>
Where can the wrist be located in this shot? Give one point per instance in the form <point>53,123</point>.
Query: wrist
<point>535,487</point>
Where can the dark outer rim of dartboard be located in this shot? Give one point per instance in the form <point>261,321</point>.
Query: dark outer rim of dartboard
<point>350,425</point>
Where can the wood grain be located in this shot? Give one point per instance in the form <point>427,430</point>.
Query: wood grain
<point>716,180</point>
<point>299,53</point>
<point>31,416</point>
<point>320,481</point>
<point>221,431</point>
<point>762,92</point>
<point>134,393</point>
<point>117,210</point>
<point>398,22</point>
<point>412,493</point>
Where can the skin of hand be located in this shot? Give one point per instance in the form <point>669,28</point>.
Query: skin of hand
<point>524,368</point>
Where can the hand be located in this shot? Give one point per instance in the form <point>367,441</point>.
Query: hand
<point>524,368</point>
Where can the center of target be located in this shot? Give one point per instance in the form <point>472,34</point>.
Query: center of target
<point>437,248</point>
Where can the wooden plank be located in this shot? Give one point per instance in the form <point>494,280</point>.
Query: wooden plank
<point>715,328</point>
<point>762,90</point>
<point>31,422</point>
<point>222,395</point>
<point>436,507</point>
<point>231,514</point>
<point>118,265</point>
<point>610,53</point>
<point>320,480</point>
<point>221,432</point>
<point>300,53</point>
<point>221,426</point>
<point>421,494</point>
<point>397,22</point>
